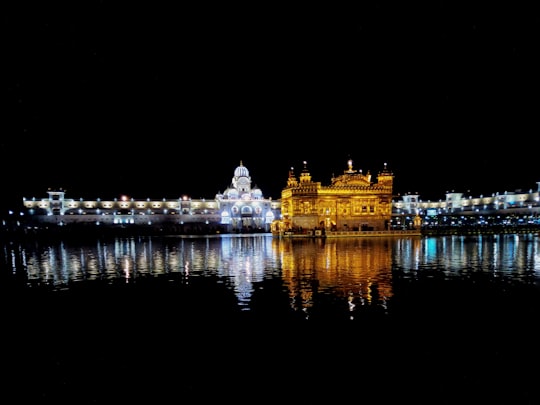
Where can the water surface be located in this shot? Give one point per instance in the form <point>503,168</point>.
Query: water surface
<point>422,319</point>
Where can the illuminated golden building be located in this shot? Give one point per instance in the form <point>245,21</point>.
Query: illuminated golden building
<point>352,202</point>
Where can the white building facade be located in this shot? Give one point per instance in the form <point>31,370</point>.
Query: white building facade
<point>241,208</point>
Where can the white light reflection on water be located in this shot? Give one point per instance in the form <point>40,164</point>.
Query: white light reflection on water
<point>239,261</point>
<point>514,258</point>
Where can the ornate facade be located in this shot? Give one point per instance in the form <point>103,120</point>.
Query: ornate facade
<point>352,202</point>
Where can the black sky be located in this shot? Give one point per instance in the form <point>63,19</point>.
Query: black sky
<point>152,101</point>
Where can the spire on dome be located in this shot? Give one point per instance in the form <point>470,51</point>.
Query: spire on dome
<point>350,166</point>
<point>305,176</point>
<point>292,181</point>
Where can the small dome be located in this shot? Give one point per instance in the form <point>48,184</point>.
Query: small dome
<point>232,193</point>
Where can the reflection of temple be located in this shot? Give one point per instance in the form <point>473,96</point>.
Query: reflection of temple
<point>358,271</point>
<point>351,202</point>
<point>238,261</point>
<point>241,208</point>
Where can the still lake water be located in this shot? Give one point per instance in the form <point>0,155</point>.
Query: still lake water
<point>341,277</point>
<point>429,318</point>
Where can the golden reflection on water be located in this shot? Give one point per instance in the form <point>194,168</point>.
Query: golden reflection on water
<point>357,270</point>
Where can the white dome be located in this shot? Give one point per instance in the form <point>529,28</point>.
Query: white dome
<point>232,193</point>
<point>241,171</point>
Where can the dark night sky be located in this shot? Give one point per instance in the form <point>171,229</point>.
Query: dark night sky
<point>158,102</point>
